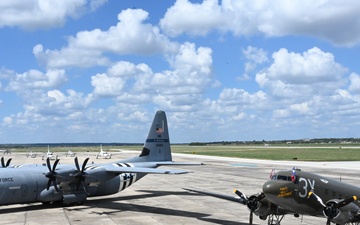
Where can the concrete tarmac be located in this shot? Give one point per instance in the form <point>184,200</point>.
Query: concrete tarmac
<point>161,199</point>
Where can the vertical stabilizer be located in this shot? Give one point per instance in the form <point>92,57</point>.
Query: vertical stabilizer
<point>157,145</point>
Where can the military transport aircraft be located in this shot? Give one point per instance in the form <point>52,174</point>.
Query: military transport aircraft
<point>66,183</point>
<point>300,193</point>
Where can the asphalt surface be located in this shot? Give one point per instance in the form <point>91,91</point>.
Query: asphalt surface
<point>161,199</point>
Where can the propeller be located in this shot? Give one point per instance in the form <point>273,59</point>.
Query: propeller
<point>252,202</point>
<point>80,175</point>
<point>331,208</point>
<point>51,175</point>
<point>3,162</point>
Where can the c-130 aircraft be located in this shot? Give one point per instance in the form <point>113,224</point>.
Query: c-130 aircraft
<point>69,184</point>
<point>296,192</point>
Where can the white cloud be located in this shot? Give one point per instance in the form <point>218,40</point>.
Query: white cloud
<point>122,69</point>
<point>130,36</point>
<point>242,99</point>
<point>311,66</point>
<point>180,88</point>
<point>254,57</point>
<point>34,79</point>
<point>41,14</point>
<point>69,57</point>
<point>354,83</point>
<point>271,18</point>
<point>7,121</point>
<point>106,86</point>
<point>60,102</point>
<point>95,4</point>
<point>295,75</point>
<point>200,19</point>
<point>302,108</point>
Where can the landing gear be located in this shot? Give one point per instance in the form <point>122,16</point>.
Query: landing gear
<point>275,219</point>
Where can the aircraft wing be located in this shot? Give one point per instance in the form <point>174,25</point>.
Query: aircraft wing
<point>167,163</point>
<point>221,196</point>
<point>119,170</point>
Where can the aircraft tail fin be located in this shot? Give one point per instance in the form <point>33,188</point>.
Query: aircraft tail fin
<point>157,144</point>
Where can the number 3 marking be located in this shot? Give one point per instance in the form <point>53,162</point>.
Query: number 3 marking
<point>308,182</point>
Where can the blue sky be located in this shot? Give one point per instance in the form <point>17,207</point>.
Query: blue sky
<point>98,70</point>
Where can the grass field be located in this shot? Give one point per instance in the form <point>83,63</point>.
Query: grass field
<point>282,152</point>
<point>344,152</point>
<point>279,153</point>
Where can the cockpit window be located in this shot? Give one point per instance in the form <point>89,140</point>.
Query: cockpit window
<point>281,177</point>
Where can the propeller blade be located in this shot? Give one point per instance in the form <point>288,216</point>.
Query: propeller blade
<point>8,162</point>
<point>252,202</point>
<point>77,164</point>
<point>84,164</point>
<point>80,174</point>
<point>331,208</point>
<point>55,164</point>
<point>346,202</point>
<point>328,221</point>
<point>48,184</point>
<point>51,175</point>
<point>251,218</point>
<point>240,194</point>
<point>317,198</point>
<point>48,163</point>
<point>3,164</point>
<point>55,185</point>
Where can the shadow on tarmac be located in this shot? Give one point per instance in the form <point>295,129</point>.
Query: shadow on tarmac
<point>112,205</point>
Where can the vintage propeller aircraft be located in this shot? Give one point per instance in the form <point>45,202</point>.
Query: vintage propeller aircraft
<point>50,155</point>
<point>103,154</point>
<point>66,183</point>
<point>296,192</point>
<point>70,153</point>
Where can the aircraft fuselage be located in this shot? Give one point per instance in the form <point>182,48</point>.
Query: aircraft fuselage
<point>293,194</point>
<point>29,184</point>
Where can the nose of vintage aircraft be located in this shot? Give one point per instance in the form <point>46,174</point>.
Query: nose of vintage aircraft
<point>278,189</point>
<point>270,188</point>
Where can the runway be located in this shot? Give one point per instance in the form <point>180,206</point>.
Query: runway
<point>161,199</point>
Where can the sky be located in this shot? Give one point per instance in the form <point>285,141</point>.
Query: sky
<point>230,70</point>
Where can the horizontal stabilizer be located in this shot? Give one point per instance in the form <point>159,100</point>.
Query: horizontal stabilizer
<point>120,170</point>
<point>221,196</point>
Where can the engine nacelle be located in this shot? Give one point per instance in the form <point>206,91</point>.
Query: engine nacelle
<point>74,198</point>
<point>261,208</point>
<point>342,215</point>
<point>50,195</point>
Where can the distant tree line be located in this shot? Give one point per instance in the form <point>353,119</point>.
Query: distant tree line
<point>275,142</point>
